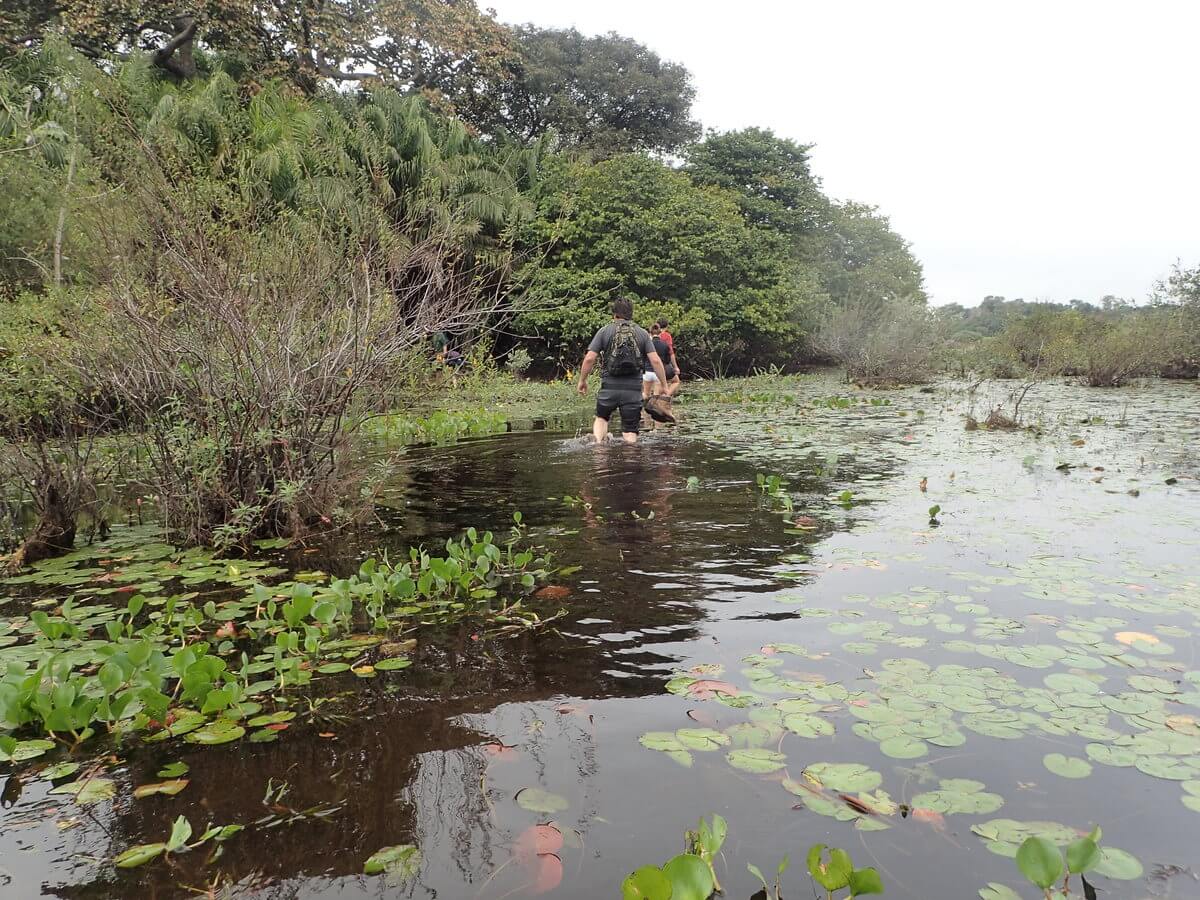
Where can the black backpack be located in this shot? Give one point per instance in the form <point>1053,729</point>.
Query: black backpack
<point>624,356</point>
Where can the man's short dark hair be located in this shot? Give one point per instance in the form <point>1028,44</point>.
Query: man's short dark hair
<point>623,308</point>
<point>662,322</point>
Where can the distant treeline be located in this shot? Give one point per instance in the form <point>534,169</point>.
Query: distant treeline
<point>570,165</point>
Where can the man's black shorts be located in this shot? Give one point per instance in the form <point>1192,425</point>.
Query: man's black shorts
<point>628,400</point>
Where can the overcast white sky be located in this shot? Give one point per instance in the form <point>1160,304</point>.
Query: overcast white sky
<point>1046,149</point>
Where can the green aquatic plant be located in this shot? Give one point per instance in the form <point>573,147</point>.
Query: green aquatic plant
<point>1042,863</point>
<point>171,667</point>
<point>774,488</point>
<point>771,891</point>
<point>688,876</point>
<point>177,842</point>
<point>833,870</point>
<point>933,515</point>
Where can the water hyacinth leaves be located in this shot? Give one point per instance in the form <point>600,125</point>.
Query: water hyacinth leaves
<point>684,877</point>
<point>1004,837</point>
<point>691,877</point>
<point>139,855</point>
<point>647,883</point>
<point>1040,861</point>
<point>833,870</point>
<point>537,800</point>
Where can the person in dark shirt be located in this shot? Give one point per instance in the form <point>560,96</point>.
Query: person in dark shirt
<point>671,363</point>
<point>626,349</point>
<point>651,386</point>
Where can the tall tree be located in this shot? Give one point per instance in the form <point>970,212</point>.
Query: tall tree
<point>768,174</point>
<point>631,225</point>
<point>607,93</point>
<point>861,258</point>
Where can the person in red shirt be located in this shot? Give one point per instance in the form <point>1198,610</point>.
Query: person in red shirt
<point>672,364</point>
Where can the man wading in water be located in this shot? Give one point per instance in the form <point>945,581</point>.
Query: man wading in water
<point>625,346</point>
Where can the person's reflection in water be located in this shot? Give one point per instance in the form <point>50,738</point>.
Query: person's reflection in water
<point>626,495</point>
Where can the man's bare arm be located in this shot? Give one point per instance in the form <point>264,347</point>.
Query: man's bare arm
<point>585,369</point>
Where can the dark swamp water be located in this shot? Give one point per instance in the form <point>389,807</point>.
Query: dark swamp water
<point>1028,665</point>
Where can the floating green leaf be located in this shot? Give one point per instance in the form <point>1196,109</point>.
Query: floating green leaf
<point>1067,766</point>
<point>757,760</point>
<point>541,801</point>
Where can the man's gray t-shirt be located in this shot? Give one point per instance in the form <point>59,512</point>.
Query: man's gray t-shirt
<point>600,344</point>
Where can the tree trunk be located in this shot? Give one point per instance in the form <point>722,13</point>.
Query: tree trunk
<point>54,533</point>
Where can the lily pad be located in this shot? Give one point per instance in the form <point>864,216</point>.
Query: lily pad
<point>1067,766</point>
<point>757,760</point>
<point>845,777</point>
<point>538,800</point>
<point>402,861</point>
<point>904,747</point>
<point>221,731</point>
<point>168,788</point>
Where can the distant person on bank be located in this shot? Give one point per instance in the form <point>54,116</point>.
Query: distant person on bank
<point>626,349</point>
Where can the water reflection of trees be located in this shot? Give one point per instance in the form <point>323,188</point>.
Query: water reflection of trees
<point>408,764</point>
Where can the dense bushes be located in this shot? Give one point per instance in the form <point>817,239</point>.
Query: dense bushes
<point>881,343</point>
<point>629,225</point>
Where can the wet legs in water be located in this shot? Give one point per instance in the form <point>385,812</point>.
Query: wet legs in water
<point>600,432</point>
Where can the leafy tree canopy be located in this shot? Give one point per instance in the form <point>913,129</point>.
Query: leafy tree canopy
<point>770,176</point>
<point>446,47</point>
<point>608,94</point>
<point>630,225</point>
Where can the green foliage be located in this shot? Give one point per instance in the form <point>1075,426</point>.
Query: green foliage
<point>606,94</point>
<point>768,175</point>
<point>881,343</point>
<point>1041,861</point>
<point>177,842</point>
<point>630,225</point>
<point>833,870</point>
<point>166,667</point>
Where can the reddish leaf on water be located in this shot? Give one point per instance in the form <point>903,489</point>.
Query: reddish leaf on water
<point>326,734</point>
<point>767,650</point>
<point>707,688</point>
<point>701,717</point>
<point>549,873</point>
<point>278,726</point>
<point>552,592</point>
<point>537,840</point>
<point>930,817</point>
<point>227,630</point>
<point>499,751</point>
